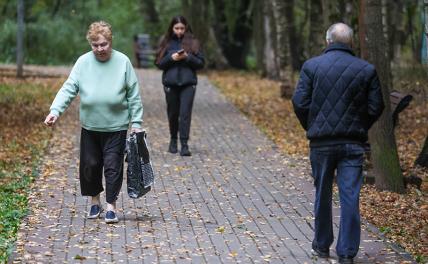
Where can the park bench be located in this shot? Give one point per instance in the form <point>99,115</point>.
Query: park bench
<point>399,102</point>
<point>143,51</point>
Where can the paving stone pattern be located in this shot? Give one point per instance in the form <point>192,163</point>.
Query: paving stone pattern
<point>236,200</point>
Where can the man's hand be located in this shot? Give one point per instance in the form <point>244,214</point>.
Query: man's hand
<point>50,120</point>
<point>136,130</point>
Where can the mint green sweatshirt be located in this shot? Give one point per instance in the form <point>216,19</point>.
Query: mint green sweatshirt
<point>109,93</point>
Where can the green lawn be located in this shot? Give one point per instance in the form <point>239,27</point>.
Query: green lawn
<point>23,139</point>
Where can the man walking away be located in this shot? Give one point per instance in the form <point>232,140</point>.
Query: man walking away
<point>337,100</point>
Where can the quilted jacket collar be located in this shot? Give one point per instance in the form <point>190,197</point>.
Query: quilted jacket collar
<point>339,46</point>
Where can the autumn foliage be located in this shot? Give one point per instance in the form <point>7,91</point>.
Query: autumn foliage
<point>23,104</point>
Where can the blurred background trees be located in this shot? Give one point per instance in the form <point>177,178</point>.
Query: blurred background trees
<point>270,37</point>
<point>55,29</point>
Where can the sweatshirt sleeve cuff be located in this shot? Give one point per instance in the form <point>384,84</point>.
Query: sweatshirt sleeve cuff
<point>136,125</point>
<point>55,112</point>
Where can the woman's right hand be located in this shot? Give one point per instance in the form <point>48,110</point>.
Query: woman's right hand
<point>177,57</point>
<point>50,120</point>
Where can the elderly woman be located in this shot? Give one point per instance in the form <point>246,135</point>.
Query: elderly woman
<point>109,102</point>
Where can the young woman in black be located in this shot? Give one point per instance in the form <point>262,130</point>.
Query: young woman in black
<point>179,56</point>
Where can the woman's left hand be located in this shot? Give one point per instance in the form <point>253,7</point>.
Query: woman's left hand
<point>183,56</point>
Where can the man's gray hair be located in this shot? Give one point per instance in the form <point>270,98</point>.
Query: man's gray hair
<point>339,32</point>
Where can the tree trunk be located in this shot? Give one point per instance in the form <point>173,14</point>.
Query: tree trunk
<point>56,8</point>
<point>5,8</point>
<point>199,16</point>
<point>293,38</point>
<point>326,8</point>
<point>271,45</point>
<point>215,57</point>
<point>152,21</point>
<point>20,40</point>
<point>150,12</point>
<point>424,48</point>
<point>316,28</point>
<point>342,10</point>
<point>384,156</point>
<point>422,159</point>
<point>411,12</point>
<point>395,29</point>
<point>362,34</point>
<point>346,11</point>
<point>264,36</point>
<point>233,27</point>
<point>283,46</point>
<point>259,36</point>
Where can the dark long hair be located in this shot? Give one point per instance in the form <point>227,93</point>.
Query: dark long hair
<point>189,43</point>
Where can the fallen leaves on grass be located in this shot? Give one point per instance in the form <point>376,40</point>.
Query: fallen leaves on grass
<point>23,104</point>
<point>402,218</point>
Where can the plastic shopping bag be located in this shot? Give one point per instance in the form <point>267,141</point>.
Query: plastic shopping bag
<point>140,175</point>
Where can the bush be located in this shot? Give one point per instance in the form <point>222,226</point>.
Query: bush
<point>8,41</point>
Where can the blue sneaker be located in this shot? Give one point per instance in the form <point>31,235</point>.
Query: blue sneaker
<point>94,212</point>
<point>111,217</point>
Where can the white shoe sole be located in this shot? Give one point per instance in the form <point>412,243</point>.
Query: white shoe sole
<point>111,221</point>
<point>94,216</point>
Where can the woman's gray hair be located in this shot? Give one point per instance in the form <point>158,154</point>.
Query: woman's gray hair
<point>339,32</point>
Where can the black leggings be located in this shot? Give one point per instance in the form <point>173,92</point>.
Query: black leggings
<point>179,108</point>
<point>100,150</point>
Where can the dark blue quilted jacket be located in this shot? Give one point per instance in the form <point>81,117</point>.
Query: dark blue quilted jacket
<point>338,97</point>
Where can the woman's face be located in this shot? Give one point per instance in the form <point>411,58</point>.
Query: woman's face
<point>179,29</point>
<point>101,48</point>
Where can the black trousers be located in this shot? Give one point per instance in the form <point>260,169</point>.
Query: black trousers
<point>98,151</point>
<point>179,109</point>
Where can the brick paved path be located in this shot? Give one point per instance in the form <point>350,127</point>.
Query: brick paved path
<point>236,200</point>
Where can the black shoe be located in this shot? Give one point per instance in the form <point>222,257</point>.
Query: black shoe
<point>346,260</point>
<point>322,253</point>
<point>185,149</point>
<point>173,146</point>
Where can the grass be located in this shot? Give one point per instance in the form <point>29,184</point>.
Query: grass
<point>13,207</point>
<point>23,139</point>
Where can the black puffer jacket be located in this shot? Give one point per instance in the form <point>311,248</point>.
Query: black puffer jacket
<point>180,73</point>
<point>338,97</point>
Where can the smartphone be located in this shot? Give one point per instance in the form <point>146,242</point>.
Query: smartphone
<point>180,51</point>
